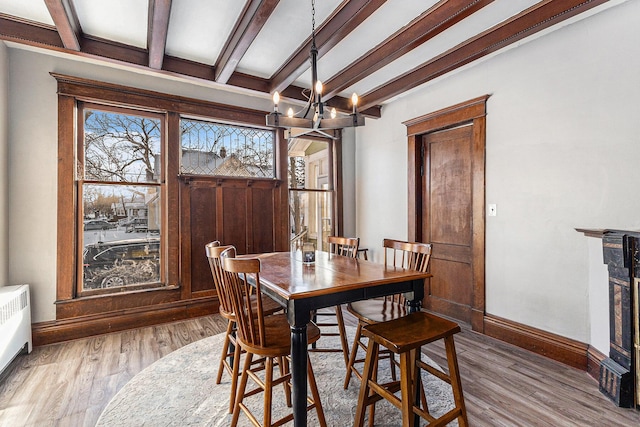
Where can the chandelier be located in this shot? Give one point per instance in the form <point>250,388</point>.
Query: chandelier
<point>311,118</point>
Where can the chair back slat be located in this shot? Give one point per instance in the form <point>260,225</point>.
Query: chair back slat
<point>213,251</point>
<point>408,255</point>
<point>345,246</point>
<point>241,276</point>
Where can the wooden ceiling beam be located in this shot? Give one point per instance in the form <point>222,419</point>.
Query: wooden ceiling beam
<point>44,36</point>
<point>29,33</point>
<point>157,29</point>
<point>248,26</point>
<point>538,17</point>
<point>66,21</point>
<point>439,17</point>
<point>345,19</point>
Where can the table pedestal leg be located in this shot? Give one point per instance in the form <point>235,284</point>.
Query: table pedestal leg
<point>414,305</point>
<point>299,374</point>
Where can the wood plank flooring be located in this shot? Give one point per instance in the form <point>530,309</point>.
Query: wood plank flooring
<point>69,384</point>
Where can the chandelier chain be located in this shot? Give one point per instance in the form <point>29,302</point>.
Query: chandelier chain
<point>313,21</point>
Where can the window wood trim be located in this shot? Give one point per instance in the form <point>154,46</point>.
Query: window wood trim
<point>72,89</point>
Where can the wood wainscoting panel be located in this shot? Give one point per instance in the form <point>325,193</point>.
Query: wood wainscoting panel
<point>556,347</point>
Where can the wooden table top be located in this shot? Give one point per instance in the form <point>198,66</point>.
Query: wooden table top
<point>286,274</point>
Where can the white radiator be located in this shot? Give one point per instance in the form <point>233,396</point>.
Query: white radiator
<point>15,323</point>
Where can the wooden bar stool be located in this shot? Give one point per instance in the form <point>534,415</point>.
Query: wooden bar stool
<point>404,337</point>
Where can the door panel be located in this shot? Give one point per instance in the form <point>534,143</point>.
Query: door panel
<point>450,191</point>
<point>448,219</point>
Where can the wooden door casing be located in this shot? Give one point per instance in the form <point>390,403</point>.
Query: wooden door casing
<point>458,258</point>
<point>246,213</point>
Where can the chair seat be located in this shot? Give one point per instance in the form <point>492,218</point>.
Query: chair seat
<point>377,310</point>
<point>278,337</point>
<point>411,331</point>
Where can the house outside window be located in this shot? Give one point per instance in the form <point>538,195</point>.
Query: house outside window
<point>120,186</point>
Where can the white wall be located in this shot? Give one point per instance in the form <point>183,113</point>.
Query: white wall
<point>4,185</point>
<point>598,296</point>
<point>562,152</point>
<point>348,182</point>
<point>32,166</point>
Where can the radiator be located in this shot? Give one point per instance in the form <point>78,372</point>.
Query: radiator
<point>15,323</point>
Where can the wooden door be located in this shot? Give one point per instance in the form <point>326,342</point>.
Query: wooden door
<point>447,220</point>
<point>446,206</point>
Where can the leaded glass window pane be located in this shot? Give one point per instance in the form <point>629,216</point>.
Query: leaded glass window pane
<point>218,149</point>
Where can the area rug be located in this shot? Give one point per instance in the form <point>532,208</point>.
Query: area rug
<point>180,390</point>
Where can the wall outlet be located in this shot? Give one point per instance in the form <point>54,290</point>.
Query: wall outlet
<point>492,210</point>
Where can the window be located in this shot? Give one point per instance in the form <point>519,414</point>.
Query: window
<point>133,219</point>
<point>310,192</point>
<point>120,186</point>
<point>210,148</point>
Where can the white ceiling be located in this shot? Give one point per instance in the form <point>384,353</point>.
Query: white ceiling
<point>199,29</point>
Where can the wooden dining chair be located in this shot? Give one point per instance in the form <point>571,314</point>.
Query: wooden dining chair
<point>230,350</point>
<point>266,337</point>
<point>404,337</point>
<point>344,246</point>
<point>397,254</point>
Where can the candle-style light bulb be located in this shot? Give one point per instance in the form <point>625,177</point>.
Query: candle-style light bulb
<point>333,113</point>
<point>319,87</point>
<point>290,112</point>
<point>276,101</point>
<point>354,101</point>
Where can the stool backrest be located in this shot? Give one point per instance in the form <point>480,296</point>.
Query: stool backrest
<point>346,246</point>
<point>213,251</point>
<point>241,276</point>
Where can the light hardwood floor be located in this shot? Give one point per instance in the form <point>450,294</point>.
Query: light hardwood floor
<point>69,384</point>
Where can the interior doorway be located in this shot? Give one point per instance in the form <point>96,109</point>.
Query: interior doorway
<point>446,206</point>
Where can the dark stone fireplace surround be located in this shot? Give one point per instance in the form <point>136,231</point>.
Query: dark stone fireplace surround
<point>619,373</point>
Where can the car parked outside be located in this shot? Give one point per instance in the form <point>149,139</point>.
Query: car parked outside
<point>121,263</point>
<point>98,224</point>
<point>139,225</point>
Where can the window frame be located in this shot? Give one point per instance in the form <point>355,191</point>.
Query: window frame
<point>81,181</point>
<point>176,300</point>
<point>333,193</point>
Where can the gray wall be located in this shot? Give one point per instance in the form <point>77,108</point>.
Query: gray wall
<point>4,185</point>
<point>562,152</point>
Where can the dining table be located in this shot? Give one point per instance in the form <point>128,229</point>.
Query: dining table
<point>302,287</point>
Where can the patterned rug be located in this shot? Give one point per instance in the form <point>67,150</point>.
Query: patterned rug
<point>180,390</point>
